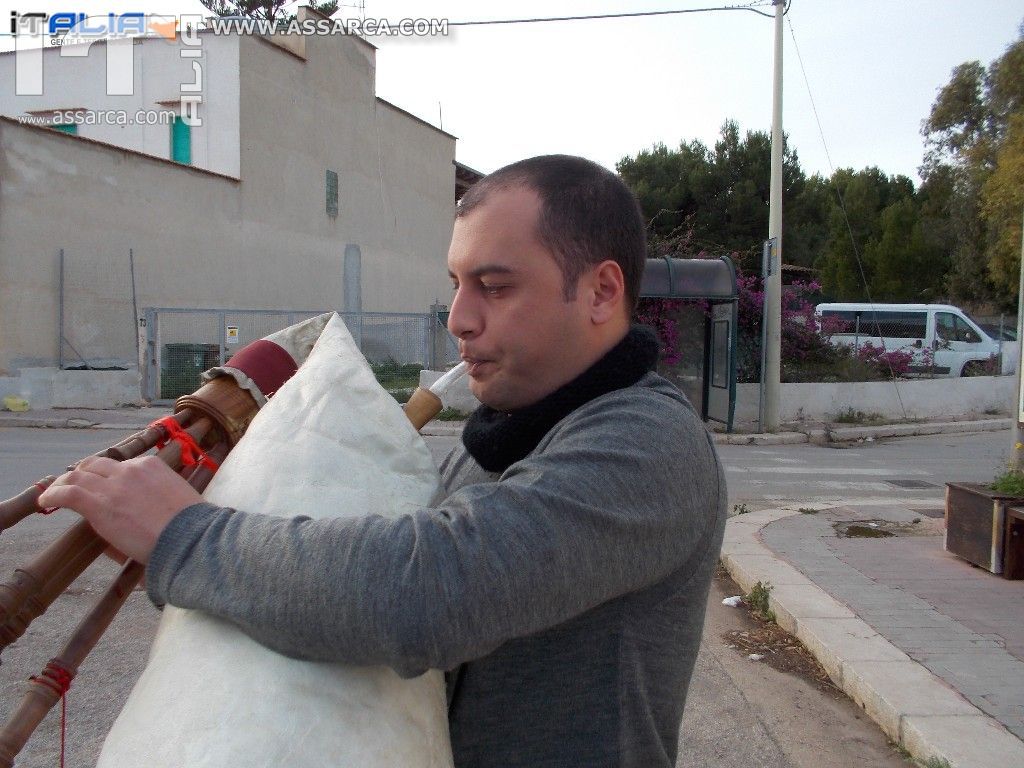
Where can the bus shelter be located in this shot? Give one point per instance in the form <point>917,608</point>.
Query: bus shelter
<point>707,333</point>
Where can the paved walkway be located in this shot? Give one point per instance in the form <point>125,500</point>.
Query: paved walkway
<point>930,646</point>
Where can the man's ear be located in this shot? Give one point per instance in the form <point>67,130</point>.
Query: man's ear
<point>607,291</point>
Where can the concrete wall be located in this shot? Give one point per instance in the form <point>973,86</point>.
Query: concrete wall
<point>912,399</point>
<point>73,82</point>
<point>62,191</point>
<point>53,388</point>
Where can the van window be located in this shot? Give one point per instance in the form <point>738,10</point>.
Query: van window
<point>949,327</point>
<point>883,324</point>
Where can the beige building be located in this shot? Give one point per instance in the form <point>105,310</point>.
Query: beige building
<point>301,190</point>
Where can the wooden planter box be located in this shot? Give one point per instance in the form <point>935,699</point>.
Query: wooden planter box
<point>1013,544</point>
<point>976,523</point>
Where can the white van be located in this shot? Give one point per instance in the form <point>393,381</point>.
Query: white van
<point>959,347</point>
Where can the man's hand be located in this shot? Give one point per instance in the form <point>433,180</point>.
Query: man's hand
<point>128,503</point>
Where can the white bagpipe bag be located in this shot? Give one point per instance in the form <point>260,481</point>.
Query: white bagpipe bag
<point>330,442</point>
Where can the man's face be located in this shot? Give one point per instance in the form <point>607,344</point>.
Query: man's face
<point>520,336</point>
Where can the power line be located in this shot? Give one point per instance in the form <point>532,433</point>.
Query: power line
<point>752,7</point>
<point>842,205</point>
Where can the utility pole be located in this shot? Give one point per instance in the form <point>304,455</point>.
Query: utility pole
<point>770,373</point>
<point>1017,449</point>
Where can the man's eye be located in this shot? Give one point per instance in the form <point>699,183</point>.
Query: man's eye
<point>492,290</point>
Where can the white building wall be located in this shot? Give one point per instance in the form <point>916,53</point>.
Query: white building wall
<point>159,70</point>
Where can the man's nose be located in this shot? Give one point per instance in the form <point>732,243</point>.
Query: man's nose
<point>463,317</point>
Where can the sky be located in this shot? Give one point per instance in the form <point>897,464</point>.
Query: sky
<point>610,88</point>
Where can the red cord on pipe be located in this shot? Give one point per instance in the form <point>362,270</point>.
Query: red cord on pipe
<point>55,677</point>
<point>191,454</point>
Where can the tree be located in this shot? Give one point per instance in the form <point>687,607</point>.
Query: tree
<point>712,201</point>
<point>670,184</point>
<point>904,265</point>
<point>271,10</point>
<point>1002,206</point>
<point>872,235</point>
<point>969,134</point>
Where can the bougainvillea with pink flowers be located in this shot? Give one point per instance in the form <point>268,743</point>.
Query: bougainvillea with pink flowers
<point>807,354</point>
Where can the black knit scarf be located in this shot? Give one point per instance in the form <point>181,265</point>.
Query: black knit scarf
<point>498,439</point>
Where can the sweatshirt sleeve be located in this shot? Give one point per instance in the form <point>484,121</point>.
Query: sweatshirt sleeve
<point>617,496</point>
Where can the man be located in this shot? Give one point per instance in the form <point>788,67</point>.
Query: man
<point>562,582</point>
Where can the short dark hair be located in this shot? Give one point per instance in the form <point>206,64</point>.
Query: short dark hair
<point>588,215</point>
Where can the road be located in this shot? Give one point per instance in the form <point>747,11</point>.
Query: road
<point>740,712</point>
<point>910,471</point>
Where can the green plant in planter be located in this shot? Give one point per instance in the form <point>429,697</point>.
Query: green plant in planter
<point>1010,482</point>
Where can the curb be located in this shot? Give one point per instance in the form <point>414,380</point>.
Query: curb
<point>848,434</point>
<point>826,435</point>
<point>69,423</point>
<point>760,438</point>
<point>916,709</point>
<point>443,429</point>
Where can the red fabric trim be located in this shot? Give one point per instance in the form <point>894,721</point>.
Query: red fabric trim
<point>266,363</point>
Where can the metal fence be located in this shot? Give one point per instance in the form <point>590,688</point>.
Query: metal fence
<point>182,343</point>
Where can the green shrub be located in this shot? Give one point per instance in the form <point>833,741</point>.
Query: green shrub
<point>1010,482</point>
<point>394,375</point>
<point>758,600</point>
<point>850,416</point>
<point>451,414</point>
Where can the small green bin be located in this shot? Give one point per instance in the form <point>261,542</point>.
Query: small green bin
<point>181,366</point>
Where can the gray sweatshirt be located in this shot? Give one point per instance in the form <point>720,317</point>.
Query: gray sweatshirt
<point>565,597</point>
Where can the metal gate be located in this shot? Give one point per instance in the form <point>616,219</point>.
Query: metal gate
<point>182,343</point>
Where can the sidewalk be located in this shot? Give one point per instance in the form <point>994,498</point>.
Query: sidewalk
<point>137,418</point>
<point>931,647</point>
<point>126,419</point>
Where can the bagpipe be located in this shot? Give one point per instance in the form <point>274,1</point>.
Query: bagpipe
<point>306,397</point>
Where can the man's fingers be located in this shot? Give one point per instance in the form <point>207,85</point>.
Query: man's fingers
<point>71,496</point>
<point>99,465</point>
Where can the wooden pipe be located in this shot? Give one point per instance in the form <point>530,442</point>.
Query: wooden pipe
<point>32,589</point>
<point>26,583</point>
<point>423,406</point>
<point>17,508</point>
<point>47,688</point>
